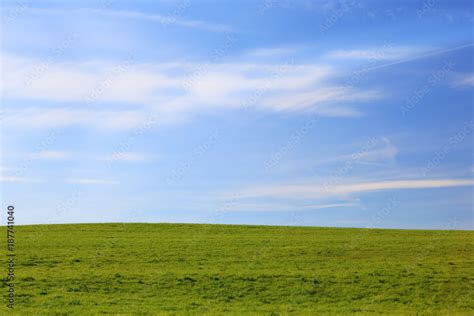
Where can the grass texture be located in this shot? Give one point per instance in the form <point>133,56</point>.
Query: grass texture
<point>193,269</point>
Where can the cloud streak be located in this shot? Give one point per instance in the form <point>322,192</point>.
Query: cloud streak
<point>315,191</point>
<point>386,53</point>
<point>53,117</point>
<point>173,18</point>
<point>128,156</point>
<point>265,207</point>
<point>50,154</point>
<point>89,181</point>
<point>19,179</point>
<point>466,80</point>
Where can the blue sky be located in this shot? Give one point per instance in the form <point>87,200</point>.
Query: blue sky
<point>325,113</point>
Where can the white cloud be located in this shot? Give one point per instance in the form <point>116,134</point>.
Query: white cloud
<point>6,169</point>
<point>262,207</point>
<point>85,82</point>
<point>321,100</point>
<point>387,152</point>
<point>387,52</point>
<point>378,150</point>
<point>49,154</point>
<point>118,156</point>
<point>316,191</point>
<point>91,181</point>
<point>175,17</point>
<point>150,83</point>
<point>171,91</point>
<point>466,80</point>
<point>37,117</point>
<point>128,156</point>
<point>19,179</point>
<point>171,19</point>
<point>326,206</point>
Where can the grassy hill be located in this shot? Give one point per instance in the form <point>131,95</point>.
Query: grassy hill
<point>210,269</point>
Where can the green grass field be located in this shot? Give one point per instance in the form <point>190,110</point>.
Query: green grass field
<point>263,270</point>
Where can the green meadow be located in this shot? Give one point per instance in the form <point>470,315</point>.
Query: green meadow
<point>192,269</point>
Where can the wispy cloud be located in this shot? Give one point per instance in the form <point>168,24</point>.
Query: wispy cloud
<point>174,18</point>
<point>170,90</point>
<point>376,53</point>
<point>4,169</point>
<point>170,19</point>
<point>378,150</point>
<point>98,81</point>
<point>317,191</point>
<point>465,80</point>
<point>52,117</point>
<point>50,154</point>
<point>321,100</point>
<point>19,179</point>
<point>144,83</point>
<point>269,207</point>
<point>128,156</point>
<point>91,181</point>
<point>119,156</point>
